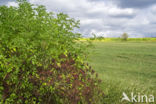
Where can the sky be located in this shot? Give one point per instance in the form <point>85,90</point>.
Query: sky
<point>107,18</point>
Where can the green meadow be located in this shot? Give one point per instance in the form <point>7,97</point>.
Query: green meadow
<point>124,67</point>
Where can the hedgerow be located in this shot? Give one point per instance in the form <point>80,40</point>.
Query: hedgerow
<point>41,59</point>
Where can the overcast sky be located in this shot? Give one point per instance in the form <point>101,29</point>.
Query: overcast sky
<point>108,18</point>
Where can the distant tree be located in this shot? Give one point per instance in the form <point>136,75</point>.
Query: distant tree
<point>100,38</point>
<point>124,36</point>
<point>94,36</point>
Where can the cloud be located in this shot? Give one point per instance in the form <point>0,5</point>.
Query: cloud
<point>4,2</point>
<point>99,17</point>
<point>135,3</point>
<point>12,4</point>
<point>107,17</point>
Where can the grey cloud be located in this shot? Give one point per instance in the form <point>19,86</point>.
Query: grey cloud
<point>131,3</point>
<point>123,16</point>
<point>135,3</point>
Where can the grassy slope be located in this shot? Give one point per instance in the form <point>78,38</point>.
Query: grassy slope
<point>125,66</point>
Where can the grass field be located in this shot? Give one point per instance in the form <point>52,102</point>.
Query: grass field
<point>125,67</point>
<point>119,39</point>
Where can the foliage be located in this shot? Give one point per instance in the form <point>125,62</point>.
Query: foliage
<point>41,60</point>
<point>124,36</point>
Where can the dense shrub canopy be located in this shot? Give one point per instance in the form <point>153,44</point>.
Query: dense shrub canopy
<point>41,59</point>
